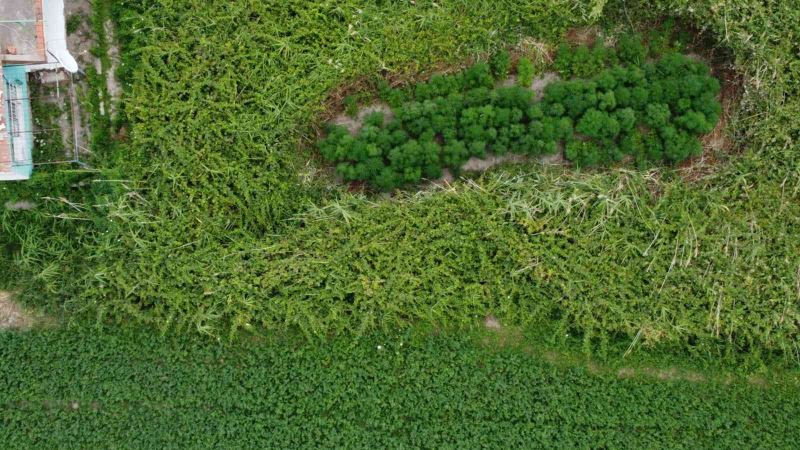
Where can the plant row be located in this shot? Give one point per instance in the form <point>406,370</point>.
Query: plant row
<point>650,112</point>
<point>80,389</point>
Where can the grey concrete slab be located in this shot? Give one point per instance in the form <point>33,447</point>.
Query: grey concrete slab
<point>18,27</point>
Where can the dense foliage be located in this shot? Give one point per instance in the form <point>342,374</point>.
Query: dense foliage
<point>95,390</point>
<point>525,71</point>
<point>209,219</point>
<point>651,112</point>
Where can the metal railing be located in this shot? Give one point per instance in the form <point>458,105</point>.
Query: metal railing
<point>14,103</point>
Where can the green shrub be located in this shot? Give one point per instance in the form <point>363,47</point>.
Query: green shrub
<point>584,153</point>
<point>657,115</point>
<point>626,118</point>
<point>678,144</point>
<point>584,62</point>
<point>501,64</point>
<point>393,97</point>
<point>599,125</point>
<point>525,72</point>
<point>631,50</point>
<point>351,105</point>
<point>563,60</point>
<point>478,76</point>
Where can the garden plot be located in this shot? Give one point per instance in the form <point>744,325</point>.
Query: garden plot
<point>474,163</point>
<point>606,106</point>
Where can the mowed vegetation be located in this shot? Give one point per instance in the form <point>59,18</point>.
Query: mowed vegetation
<point>214,213</point>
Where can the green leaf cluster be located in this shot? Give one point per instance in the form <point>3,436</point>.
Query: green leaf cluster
<point>525,71</point>
<point>672,100</point>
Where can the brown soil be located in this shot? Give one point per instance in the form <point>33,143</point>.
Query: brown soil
<point>582,36</point>
<point>12,316</point>
<point>354,125</point>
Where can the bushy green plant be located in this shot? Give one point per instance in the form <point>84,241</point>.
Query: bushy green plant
<point>351,105</point>
<point>584,153</point>
<point>501,64</point>
<point>599,125</point>
<point>478,76</point>
<point>678,144</point>
<point>584,62</point>
<point>657,115</point>
<point>563,59</point>
<point>393,97</point>
<point>631,50</point>
<point>525,71</point>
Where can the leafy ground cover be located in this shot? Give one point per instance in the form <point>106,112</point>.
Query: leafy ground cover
<point>650,112</point>
<point>73,389</point>
<point>207,218</point>
<point>212,215</point>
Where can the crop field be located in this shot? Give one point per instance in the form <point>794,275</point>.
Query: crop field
<point>99,390</point>
<point>616,179</point>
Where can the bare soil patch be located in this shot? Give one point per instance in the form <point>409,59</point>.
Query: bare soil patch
<point>583,35</point>
<point>354,124</point>
<point>13,316</point>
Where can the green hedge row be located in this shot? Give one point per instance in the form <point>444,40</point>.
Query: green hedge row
<point>652,112</point>
<point>70,389</point>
